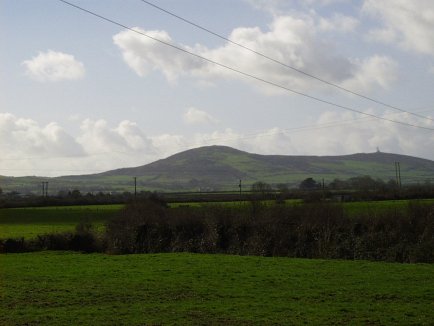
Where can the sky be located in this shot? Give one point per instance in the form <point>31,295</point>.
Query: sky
<point>80,95</point>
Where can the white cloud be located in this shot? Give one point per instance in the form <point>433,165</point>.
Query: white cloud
<point>97,136</point>
<point>338,23</point>
<point>376,70</point>
<point>363,134</point>
<point>20,137</point>
<point>295,40</point>
<point>28,148</point>
<point>279,7</point>
<point>332,133</point>
<point>54,66</point>
<point>409,24</point>
<point>142,54</point>
<point>198,117</point>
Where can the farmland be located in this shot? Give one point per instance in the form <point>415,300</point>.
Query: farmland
<point>59,288</point>
<point>32,221</point>
<point>220,168</point>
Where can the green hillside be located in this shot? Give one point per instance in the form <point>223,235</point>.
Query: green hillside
<point>221,168</point>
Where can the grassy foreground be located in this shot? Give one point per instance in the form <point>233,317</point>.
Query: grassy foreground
<point>58,288</point>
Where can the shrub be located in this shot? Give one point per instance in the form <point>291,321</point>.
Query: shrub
<point>310,230</point>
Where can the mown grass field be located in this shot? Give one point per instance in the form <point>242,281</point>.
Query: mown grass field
<point>33,221</point>
<point>60,288</point>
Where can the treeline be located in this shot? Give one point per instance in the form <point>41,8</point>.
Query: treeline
<point>73,197</point>
<point>314,230</point>
<point>310,190</point>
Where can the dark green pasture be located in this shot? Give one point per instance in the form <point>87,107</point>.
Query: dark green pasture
<point>61,288</point>
<point>33,221</point>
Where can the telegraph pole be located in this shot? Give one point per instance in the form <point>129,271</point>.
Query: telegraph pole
<point>398,174</point>
<point>135,187</point>
<point>323,189</point>
<point>44,188</point>
<point>240,186</point>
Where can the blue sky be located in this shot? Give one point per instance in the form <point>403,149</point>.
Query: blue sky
<point>80,95</point>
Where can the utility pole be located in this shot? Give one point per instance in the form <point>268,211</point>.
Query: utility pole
<point>398,174</point>
<point>44,188</point>
<point>240,186</point>
<point>323,189</point>
<point>135,187</point>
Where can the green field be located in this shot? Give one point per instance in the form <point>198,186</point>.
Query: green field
<point>374,207</point>
<point>33,221</point>
<point>57,288</point>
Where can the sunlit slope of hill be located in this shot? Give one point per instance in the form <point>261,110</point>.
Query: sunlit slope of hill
<point>221,168</point>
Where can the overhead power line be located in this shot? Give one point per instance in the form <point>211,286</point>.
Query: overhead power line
<point>205,142</point>
<point>282,63</point>
<point>245,74</point>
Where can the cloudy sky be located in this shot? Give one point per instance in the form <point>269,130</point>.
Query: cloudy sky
<point>81,95</point>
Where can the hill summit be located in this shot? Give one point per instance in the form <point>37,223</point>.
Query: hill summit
<point>221,168</point>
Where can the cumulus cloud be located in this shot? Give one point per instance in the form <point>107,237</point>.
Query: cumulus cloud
<point>282,6</point>
<point>30,148</point>
<point>296,40</point>
<point>409,24</point>
<point>375,70</point>
<point>20,137</point>
<point>52,66</point>
<point>338,23</point>
<point>345,133</point>
<point>127,136</point>
<point>198,117</point>
<point>142,54</point>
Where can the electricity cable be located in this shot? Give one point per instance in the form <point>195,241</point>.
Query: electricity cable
<point>208,141</point>
<point>245,74</point>
<point>282,63</point>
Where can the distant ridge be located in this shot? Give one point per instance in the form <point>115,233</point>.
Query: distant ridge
<point>221,168</point>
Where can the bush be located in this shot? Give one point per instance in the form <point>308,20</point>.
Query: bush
<point>310,230</point>
<point>83,239</point>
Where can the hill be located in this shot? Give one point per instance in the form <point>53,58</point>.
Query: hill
<point>221,168</point>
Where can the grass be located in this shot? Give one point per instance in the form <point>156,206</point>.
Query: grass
<point>375,207</point>
<point>231,203</point>
<point>57,288</point>
<point>33,221</point>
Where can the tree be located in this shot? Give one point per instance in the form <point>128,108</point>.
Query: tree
<point>261,187</point>
<point>282,187</point>
<point>309,184</point>
<point>75,193</point>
